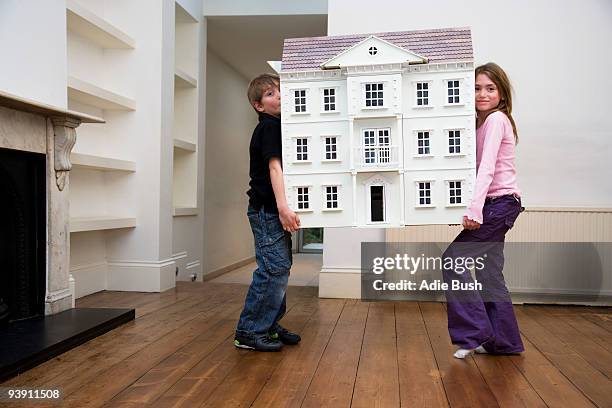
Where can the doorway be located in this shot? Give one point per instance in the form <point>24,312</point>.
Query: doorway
<point>377,203</point>
<point>310,240</point>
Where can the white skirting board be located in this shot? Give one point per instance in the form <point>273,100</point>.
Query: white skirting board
<point>134,276</point>
<point>138,276</point>
<point>187,269</point>
<point>193,268</point>
<point>340,283</point>
<point>90,278</point>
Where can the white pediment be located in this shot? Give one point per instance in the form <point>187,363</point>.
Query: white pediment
<point>372,51</point>
<point>376,179</point>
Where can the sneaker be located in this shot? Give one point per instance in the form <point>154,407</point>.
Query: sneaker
<point>463,353</point>
<point>481,350</point>
<point>258,343</point>
<point>285,336</point>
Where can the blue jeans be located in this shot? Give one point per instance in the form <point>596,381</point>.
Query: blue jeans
<point>265,302</point>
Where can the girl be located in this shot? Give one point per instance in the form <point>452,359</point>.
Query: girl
<point>483,321</point>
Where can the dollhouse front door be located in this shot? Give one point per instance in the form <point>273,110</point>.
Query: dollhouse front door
<point>377,203</point>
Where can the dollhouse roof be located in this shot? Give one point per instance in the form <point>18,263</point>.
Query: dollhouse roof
<point>437,45</point>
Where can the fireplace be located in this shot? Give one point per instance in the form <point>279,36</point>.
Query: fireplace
<point>22,234</point>
<point>37,318</point>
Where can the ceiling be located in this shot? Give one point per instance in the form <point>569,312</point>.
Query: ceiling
<point>247,42</point>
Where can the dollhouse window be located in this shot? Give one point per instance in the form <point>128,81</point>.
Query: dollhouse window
<point>369,149</point>
<point>329,99</point>
<point>424,189</point>
<point>301,149</point>
<point>374,95</point>
<point>376,146</point>
<point>422,89</point>
<point>331,197</point>
<point>331,148</point>
<point>423,143</point>
<point>454,192</point>
<point>454,141</point>
<point>384,146</point>
<point>453,91</point>
<point>299,100</point>
<point>373,50</point>
<point>303,202</point>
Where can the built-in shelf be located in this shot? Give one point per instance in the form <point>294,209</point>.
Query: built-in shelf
<point>81,224</point>
<point>184,145</point>
<point>93,27</point>
<point>185,211</point>
<point>85,117</point>
<point>93,162</point>
<point>184,80</point>
<point>90,94</point>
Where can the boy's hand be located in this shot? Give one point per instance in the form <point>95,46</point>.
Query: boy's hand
<point>470,224</point>
<point>289,219</point>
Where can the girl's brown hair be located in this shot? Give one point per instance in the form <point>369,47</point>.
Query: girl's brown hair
<point>496,74</point>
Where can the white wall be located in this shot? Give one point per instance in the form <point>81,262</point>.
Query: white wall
<point>229,123</point>
<point>263,7</point>
<point>563,158</point>
<point>554,53</point>
<point>33,44</point>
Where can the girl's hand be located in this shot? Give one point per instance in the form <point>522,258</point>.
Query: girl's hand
<point>470,224</point>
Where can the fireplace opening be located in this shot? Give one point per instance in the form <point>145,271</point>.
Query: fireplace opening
<point>22,235</point>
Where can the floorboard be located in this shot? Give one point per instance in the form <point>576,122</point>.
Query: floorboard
<point>179,353</point>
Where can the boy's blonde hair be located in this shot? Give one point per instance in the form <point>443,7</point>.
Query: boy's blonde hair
<point>500,79</point>
<point>259,85</point>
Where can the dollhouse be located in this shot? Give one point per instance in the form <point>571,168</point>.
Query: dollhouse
<point>378,129</point>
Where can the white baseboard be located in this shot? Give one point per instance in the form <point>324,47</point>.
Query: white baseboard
<point>139,276</point>
<point>340,283</point>
<point>90,278</point>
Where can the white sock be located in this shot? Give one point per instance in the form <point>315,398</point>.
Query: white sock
<point>463,353</point>
<point>481,350</point>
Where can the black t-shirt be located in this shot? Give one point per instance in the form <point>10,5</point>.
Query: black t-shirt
<point>265,144</point>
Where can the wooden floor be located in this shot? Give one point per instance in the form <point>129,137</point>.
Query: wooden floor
<point>178,352</point>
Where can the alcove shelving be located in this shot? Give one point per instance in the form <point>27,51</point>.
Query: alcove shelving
<point>96,48</point>
<point>93,27</point>
<point>185,131</point>
<point>82,224</point>
<point>90,94</point>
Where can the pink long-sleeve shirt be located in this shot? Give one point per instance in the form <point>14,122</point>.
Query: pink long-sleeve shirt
<point>495,172</point>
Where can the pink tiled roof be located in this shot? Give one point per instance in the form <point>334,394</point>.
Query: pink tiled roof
<point>445,44</point>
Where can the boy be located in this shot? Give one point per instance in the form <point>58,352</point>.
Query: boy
<point>272,223</point>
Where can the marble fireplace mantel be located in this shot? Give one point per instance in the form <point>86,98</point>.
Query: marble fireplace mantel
<point>34,127</point>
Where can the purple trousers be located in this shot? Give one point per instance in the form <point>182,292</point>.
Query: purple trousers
<point>483,316</point>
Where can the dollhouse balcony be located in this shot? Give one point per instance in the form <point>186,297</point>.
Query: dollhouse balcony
<point>378,158</point>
